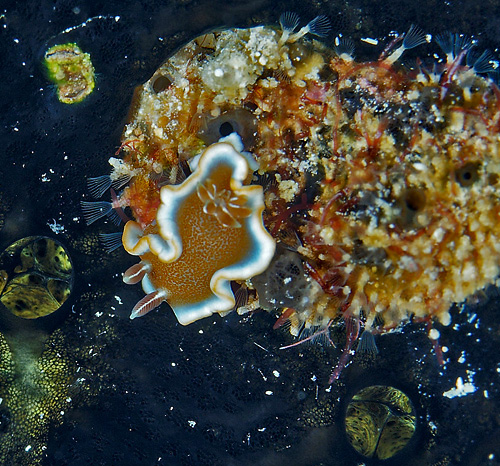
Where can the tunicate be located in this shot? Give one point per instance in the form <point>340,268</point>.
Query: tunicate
<point>380,421</point>
<point>36,277</point>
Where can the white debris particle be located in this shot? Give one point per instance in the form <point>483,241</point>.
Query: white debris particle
<point>28,448</point>
<point>118,299</point>
<point>276,373</point>
<point>56,227</point>
<point>438,235</point>
<point>370,41</point>
<point>269,392</point>
<point>192,424</point>
<point>434,334</point>
<point>461,389</point>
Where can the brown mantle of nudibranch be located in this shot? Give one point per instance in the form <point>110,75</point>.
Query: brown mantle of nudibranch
<point>381,185</point>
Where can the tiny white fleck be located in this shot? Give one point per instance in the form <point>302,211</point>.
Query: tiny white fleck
<point>370,41</point>
<point>269,392</point>
<point>276,373</point>
<point>192,423</point>
<point>434,334</point>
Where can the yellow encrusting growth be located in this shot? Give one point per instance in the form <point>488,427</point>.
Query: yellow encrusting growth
<point>36,391</point>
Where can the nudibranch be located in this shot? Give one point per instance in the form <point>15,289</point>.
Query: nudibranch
<point>208,231</point>
<point>381,185</point>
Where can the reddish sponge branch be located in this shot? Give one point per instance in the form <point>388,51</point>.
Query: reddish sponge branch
<point>286,215</point>
<point>352,333</point>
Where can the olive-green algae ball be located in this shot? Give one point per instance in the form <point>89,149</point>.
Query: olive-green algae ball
<point>36,277</point>
<point>380,421</point>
